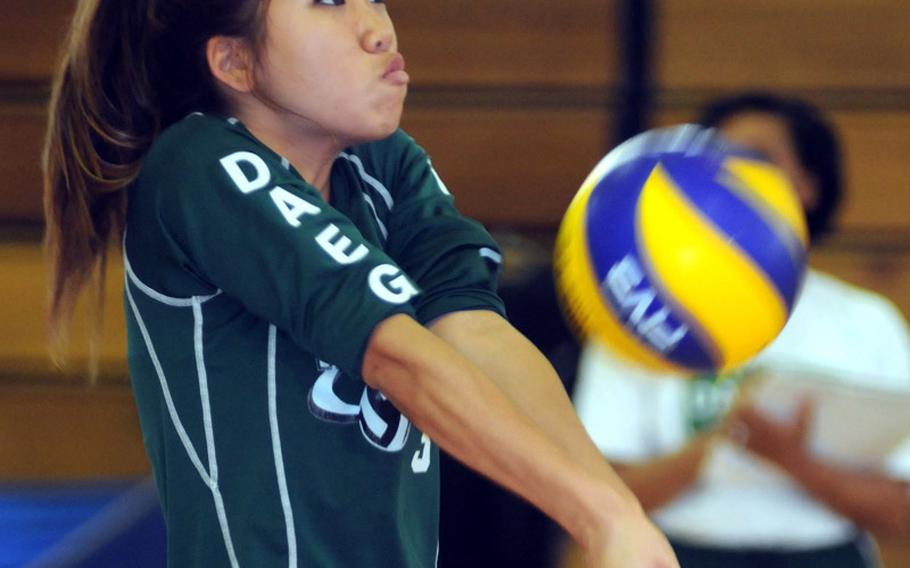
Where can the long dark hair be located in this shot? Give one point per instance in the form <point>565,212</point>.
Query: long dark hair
<point>814,138</point>
<point>128,69</point>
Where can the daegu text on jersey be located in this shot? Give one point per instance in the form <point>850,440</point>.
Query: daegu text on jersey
<point>386,281</point>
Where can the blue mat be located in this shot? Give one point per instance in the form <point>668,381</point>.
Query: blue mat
<point>95,525</point>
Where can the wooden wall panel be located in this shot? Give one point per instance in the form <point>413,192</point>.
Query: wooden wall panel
<point>508,42</point>
<point>31,33</point>
<point>796,44</point>
<point>23,315</point>
<point>21,137</point>
<point>60,433</point>
<point>876,146</point>
<point>505,46</point>
<point>511,41</point>
<point>511,166</point>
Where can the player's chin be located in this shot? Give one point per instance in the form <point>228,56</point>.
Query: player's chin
<point>383,122</point>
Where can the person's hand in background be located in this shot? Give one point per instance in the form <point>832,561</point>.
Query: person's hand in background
<point>867,496</point>
<point>780,441</point>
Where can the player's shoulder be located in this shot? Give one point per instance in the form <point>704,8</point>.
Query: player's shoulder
<point>196,137</point>
<point>191,153</point>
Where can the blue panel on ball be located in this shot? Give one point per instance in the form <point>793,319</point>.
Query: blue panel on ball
<point>782,262</point>
<point>624,280</point>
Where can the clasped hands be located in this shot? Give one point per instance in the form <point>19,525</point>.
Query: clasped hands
<point>780,441</point>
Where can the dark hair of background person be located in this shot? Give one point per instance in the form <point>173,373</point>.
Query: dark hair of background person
<point>127,71</point>
<point>815,140</point>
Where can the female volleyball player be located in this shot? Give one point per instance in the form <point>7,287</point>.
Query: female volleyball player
<point>296,275</point>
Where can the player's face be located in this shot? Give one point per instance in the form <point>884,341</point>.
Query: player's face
<point>333,66</point>
<point>769,135</point>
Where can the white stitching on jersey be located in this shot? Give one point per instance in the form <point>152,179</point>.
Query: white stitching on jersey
<point>276,451</point>
<point>211,483</point>
<point>375,183</point>
<point>487,252</point>
<point>204,390</point>
<point>225,531</point>
<point>382,229</point>
<point>166,392</point>
<point>439,182</point>
<point>156,295</point>
<point>209,428</point>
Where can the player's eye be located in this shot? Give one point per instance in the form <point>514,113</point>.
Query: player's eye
<point>341,2</point>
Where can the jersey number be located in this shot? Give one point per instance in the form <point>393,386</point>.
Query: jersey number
<point>420,463</point>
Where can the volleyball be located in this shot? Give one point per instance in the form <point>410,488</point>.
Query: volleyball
<point>681,251</point>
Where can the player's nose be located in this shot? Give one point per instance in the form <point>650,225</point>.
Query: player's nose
<point>377,34</point>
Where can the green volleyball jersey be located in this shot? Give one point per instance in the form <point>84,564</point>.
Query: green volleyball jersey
<point>250,302</point>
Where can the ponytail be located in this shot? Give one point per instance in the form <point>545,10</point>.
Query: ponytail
<point>129,68</point>
<point>100,125</point>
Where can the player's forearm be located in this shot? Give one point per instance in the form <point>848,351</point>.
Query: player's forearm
<point>525,376</point>
<point>467,415</point>
<point>871,500</point>
<point>659,481</point>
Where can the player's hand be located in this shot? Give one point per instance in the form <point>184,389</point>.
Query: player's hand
<point>781,442</point>
<point>634,542</point>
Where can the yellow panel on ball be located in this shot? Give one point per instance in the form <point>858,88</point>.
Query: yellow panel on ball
<point>705,276</point>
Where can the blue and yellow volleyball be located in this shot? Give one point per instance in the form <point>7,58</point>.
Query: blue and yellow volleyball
<point>682,252</point>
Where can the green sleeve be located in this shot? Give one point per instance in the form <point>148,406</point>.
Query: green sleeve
<point>240,220</point>
<point>453,259</point>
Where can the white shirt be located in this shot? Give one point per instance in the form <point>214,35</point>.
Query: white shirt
<point>632,414</point>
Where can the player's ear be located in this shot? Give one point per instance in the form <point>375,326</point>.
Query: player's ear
<point>231,61</point>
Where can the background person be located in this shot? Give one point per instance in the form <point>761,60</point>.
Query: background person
<point>721,504</point>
